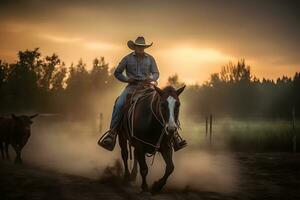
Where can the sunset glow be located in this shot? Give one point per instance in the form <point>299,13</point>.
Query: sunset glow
<point>184,59</point>
<point>193,40</point>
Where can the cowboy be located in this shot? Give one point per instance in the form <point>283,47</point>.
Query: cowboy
<point>139,66</point>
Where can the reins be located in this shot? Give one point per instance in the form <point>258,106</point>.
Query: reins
<point>142,96</point>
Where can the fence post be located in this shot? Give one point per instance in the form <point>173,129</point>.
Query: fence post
<point>100,122</point>
<point>294,138</point>
<point>210,128</point>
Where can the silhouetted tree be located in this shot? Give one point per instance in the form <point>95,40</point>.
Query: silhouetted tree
<point>174,81</point>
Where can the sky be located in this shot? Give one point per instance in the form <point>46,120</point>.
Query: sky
<point>192,38</point>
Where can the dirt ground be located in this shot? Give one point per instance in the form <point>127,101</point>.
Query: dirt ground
<point>263,176</point>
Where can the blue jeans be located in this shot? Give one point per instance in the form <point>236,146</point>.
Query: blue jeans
<point>116,115</point>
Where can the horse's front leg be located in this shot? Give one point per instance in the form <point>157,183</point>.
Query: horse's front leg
<point>167,154</point>
<point>124,153</point>
<point>143,168</point>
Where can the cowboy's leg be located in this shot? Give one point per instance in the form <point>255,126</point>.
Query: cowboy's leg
<point>116,115</point>
<point>110,140</point>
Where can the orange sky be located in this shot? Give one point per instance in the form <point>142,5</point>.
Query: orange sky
<point>191,38</point>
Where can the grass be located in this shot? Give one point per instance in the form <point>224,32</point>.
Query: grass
<point>245,135</point>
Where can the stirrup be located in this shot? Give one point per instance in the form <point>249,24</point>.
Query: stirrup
<point>108,145</point>
<point>179,146</point>
<point>178,142</point>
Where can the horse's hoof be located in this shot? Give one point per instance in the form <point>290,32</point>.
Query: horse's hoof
<point>156,187</point>
<point>145,193</point>
<point>132,178</point>
<point>126,179</point>
<point>145,188</point>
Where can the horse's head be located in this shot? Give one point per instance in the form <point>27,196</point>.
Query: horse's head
<point>169,105</point>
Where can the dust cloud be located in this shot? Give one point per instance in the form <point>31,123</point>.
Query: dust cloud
<point>71,147</point>
<point>200,171</point>
<point>68,147</point>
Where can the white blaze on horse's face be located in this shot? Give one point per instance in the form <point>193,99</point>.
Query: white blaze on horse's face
<point>171,125</point>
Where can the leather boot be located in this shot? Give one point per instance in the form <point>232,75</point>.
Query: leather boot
<point>178,142</point>
<point>108,142</point>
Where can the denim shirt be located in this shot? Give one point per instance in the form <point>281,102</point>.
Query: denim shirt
<point>137,69</point>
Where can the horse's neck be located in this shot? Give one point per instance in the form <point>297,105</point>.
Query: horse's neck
<point>155,108</point>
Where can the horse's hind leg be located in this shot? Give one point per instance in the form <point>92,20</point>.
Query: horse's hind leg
<point>134,170</point>
<point>167,156</point>
<point>124,153</point>
<point>143,168</point>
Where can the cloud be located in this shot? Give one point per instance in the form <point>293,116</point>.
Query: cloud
<point>60,39</point>
<point>101,46</point>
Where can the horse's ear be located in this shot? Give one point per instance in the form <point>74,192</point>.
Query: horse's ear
<point>158,90</point>
<point>33,116</point>
<point>180,90</point>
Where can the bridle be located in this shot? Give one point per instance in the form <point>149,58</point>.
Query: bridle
<point>156,112</point>
<point>158,116</point>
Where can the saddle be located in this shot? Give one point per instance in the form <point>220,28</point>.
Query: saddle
<point>141,92</point>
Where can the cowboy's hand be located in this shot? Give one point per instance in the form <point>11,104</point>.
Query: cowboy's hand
<point>148,79</point>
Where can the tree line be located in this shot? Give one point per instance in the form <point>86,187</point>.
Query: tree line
<point>44,84</point>
<point>47,85</point>
<point>235,92</point>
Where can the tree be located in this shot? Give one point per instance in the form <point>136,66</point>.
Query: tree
<point>58,80</point>
<point>49,66</point>
<point>235,73</point>
<point>100,74</point>
<point>4,71</point>
<point>174,81</point>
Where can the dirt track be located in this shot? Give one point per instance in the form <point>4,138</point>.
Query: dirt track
<point>264,176</point>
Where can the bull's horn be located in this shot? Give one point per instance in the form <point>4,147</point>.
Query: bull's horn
<point>33,116</point>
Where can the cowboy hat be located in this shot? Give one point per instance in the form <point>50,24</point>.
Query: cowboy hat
<point>139,41</point>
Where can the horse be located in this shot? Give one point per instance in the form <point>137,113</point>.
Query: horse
<point>154,119</point>
<point>16,132</point>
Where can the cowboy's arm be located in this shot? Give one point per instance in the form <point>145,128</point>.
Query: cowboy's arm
<point>154,70</point>
<point>119,71</point>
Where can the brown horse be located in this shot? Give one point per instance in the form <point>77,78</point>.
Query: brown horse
<point>155,119</point>
<point>16,132</point>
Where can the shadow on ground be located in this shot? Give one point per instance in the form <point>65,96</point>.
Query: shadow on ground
<point>264,176</point>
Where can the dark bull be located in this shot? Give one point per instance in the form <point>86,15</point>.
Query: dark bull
<point>14,131</point>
